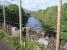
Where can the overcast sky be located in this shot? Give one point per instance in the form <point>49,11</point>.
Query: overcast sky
<point>36,4</point>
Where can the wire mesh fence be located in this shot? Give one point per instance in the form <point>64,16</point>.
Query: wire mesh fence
<point>32,38</point>
<point>12,26</point>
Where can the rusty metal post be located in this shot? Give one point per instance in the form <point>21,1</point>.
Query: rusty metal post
<point>58,25</point>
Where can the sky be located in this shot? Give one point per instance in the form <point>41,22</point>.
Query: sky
<point>36,4</point>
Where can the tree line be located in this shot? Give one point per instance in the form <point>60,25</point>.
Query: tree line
<point>12,15</point>
<point>48,17</point>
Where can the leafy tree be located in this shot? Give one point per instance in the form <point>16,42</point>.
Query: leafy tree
<point>12,15</point>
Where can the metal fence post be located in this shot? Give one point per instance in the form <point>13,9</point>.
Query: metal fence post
<point>4,14</point>
<point>20,22</point>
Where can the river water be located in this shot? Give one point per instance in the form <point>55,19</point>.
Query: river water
<point>34,22</point>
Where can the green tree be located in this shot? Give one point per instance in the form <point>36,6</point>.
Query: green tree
<point>12,15</point>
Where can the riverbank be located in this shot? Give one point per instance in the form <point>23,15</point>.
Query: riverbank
<point>63,34</point>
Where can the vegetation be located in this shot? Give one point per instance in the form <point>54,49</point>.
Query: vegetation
<point>12,15</point>
<point>48,17</point>
<point>13,19</point>
<point>64,35</point>
<point>28,43</point>
<point>2,35</point>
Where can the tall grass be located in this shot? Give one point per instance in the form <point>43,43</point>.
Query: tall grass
<point>2,35</point>
<point>28,43</point>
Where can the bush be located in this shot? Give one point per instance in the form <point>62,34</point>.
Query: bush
<point>2,34</point>
<point>14,42</point>
<point>64,35</point>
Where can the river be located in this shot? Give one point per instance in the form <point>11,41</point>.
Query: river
<point>34,22</point>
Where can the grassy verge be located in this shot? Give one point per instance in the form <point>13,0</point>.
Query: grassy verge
<point>28,43</point>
